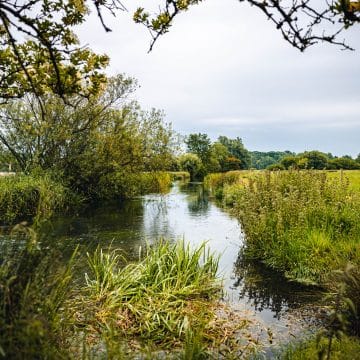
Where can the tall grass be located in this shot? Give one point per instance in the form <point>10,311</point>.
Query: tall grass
<point>33,290</point>
<point>25,197</point>
<point>134,184</point>
<point>155,299</point>
<point>306,224</point>
<point>165,302</point>
<point>300,223</point>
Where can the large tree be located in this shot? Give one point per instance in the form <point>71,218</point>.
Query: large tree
<point>237,150</point>
<point>104,135</point>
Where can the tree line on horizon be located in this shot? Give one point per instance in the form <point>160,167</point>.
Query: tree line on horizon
<point>225,154</point>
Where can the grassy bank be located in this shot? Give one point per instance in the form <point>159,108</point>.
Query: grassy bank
<point>304,224</point>
<point>37,197</point>
<point>167,303</point>
<point>25,197</point>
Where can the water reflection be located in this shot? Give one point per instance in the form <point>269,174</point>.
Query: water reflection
<point>268,290</point>
<point>185,212</point>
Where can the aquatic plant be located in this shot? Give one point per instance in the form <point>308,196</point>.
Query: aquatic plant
<point>166,302</point>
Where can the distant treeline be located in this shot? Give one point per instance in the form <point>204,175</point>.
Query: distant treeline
<point>204,156</point>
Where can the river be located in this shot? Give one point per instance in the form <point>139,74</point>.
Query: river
<point>278,310</point>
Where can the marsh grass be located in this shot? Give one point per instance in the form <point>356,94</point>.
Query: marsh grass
<point>166,305</point>
<point>25,197</point>
<point>180,175</point>
<point>168,301</point>
<point>298,222</point>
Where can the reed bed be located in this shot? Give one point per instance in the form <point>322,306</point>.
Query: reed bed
<point>300,223</point>
<point>25,197</point>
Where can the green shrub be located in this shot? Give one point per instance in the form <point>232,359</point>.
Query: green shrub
<point>26,197</point>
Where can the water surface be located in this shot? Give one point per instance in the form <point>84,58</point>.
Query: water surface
<point>276,306</point>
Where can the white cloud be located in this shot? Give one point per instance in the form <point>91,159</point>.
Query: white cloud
<point>224,67</point>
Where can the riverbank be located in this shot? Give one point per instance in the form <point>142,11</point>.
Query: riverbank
<point>306,226</point>
<point>166,304</point>
<point>37,197</point>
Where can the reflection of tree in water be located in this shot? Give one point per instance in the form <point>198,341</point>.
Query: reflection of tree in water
<point>156,219</point>
<point>198,200</point>
<point>269,290</point>
<point>106,225</point>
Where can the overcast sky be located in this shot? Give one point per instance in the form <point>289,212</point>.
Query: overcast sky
<point>223,69</point>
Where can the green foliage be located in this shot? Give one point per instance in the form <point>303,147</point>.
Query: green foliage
<point>192,164</point>
<point>236,149</point>
<point>33,291</point>
<point>91,142</point>
<point>274,167</point>
<point>127,185</point>
<point>312,160</point>
<point>301,26</point>
<point>345,348</point>
<point>300,223</point>
<point>40,53</point>
<point>27,197</point>
<point>180,175</point>
<point>262,160</point>
<point>344,163</point>
<point>200,145</point>
<point>157,300</point>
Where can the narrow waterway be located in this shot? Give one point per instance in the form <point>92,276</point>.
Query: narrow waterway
<point>278,309</point>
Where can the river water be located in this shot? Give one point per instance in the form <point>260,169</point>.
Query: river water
<point>278,309</point>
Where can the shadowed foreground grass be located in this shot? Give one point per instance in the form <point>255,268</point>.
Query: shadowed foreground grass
<point>164,306</point>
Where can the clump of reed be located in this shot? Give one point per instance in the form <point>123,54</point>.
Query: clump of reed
<point>158,304</point>
<point>164,305</point>
<point>26,197</point>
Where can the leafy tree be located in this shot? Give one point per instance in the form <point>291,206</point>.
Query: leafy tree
<point>289,162</point>
<point>192,164</point>
<point>39,51</point>
<point>237,150</point>
<point>199,144</point>
<point>345,163</point>
<point>101,136</point>
<point>232,163</point>
<point>218,156</point>
<point>275,167</point>
<point>314,160</point>
<point>261,160</point>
